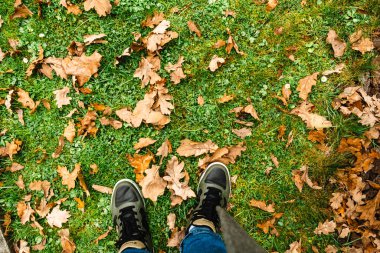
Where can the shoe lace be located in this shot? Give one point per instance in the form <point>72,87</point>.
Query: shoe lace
<point>208,206</point>
<point>130,227</point>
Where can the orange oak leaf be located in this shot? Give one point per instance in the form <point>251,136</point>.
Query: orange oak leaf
<point>94,39</point>
<point>363,45</point>
<point>102,236</point>
<point>225,98</point>
<point>15,167</point>
<point>178,179</point>
<point>102,189</point>
<point>143,142</point>
<point>294,247</point>
<point>305,85</point>
<point>171,220</point>
<point>193,27</point>
<point>271,5</point>
<point>274,160</point>
<point>140,163</point>
<point>176,237</point>
<point>67,177</point>
<point>69,131</point>
<point>21,12</point>
<point>215,63</point>
<point>61,97</point>
<point>146,72</point>
<point>12,148</point>
<point>301,176</point>
<point>68,246</point>
<point>231,43</point>
<point>58,150</point>
<point>337,44</point>
<point>200,100</point>
<point>24,211</point>
<point>175,70</point>
<point>152,184</point>
<point>40,186</point>
<point>312,120</point>
<point>243,132</point>
<point>20,183</point>
<point>262,205</point>
<point>192,148</point>
<point>25,100</point>
<point>164,150</point>
<point>102,7</point>
<point>325,228</point>
<point>219,44</point>
<point>154,20</point>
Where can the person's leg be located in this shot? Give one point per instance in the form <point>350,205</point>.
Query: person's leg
<point>213,190</point>
<point>129,216</point>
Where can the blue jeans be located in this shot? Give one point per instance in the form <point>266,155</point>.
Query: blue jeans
<point>199,239</point>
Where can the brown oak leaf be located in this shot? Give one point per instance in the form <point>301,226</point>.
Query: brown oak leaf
<point>175,70</point>
<point>215,63</point>
<point>337,44</point>
<point>69,131</point>
<point>154,20</point>
<point>305,85</point>
<point>102,189</point>
<point>21,12</point>
<point>164,150</point>
<point>271,5</point>
<point>102,7</point>
<point>143,142</point>
<point>325,228</point>
<point>67,177</point>
<point>312,120</point>
<point>68,246</point>
<point>262,205</point>
<point>140,163</point>
<point>192,148</point>
<point>193,27</point>
<point>243,132</point>
<point>61,97</point>
<point>152,184</point>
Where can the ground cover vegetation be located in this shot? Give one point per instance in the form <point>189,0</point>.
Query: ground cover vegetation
<point>283,92</point>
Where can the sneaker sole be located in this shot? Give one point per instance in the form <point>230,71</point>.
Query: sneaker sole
<point>212,164</point>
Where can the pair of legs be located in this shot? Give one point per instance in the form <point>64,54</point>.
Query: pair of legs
<point>130,218</point>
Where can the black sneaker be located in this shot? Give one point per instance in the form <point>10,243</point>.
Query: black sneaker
<point>129,216</point>
<point>214,190</point>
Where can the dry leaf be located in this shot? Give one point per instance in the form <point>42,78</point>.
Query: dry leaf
<point>274,160</point>
<point>295,247</point>
<point>40,185</point>
<point>61,97</point>
<point>80,204</point>
<point>281,132</point>
<point>15,167</point>
<point>67,177</point>
<point>102,7</point>
<point>200,100</point>
<point>58,150</point>
<point>94,168</point>
<point>88,125</point>
<point>231,43</point>
<point>94,39</point>
<point>338,69</point>
<point>192,148</point>
<point>312,120</point>
<point>20,115</point>
<point>301,176</point>
<point>69,131</point>
<point>271,5</point>
<point>171,220</point>
<point>140,163</point>
<point>57,217</point>
<point>102,236</point>
<point>164,150</point>
<point>225,98</point>
<point>262,205</point>
<point>331,249</point>
<point>325,228</point>
<point>279,30</point>
<point>67,245</point>
<point>25,100</point>
<point>219,44</point>
<point>102,189</point>
<point>224,155</point>
<point>243,132</point>
<point>20,183</point>
<point>44,208</point>
<point>268,170</point>
<point>12,148</point>
<point>194,28</point>
<point>154,20</point>
<point>147,72</point>
<point>361,44</point>
<point>337,44</point>
<point>215,63</point>
<point>143,142</point>
<point>21,12</point>
<point>176,72</point>
<point>176,237</point>
<point>152,184</point>
<point>24,211</point>
<point>175,174</point>
<point>230,13</point>
<point>82,182</point>
<point>305,85</point>
<point>40,246</point>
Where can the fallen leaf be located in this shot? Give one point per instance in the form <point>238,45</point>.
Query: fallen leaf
<point>194,28</point>
<point>243,132</point>
<point>176,72</point>
<point>23,247</point>
<point>295,247</point>
<point>154,20</point>
<point>140,163</point>
<point>44,208</point>
<point>219,44</point>
<point>152,184</point>
<point>102,189</point>
<point>178,179</point>
<point>230,13</point>
<point>20,115</point>
<point>290,139</point>
<point>268,170</point>
<point>146,72</point>
<point>192,148</point>
<point>231,43</point>
<point>143,142</point>
<point>271,5</point>
<point>40,246</point>
<point>281,132</point>
<point>200,100</point>
<point>15,167</point>
<point>215,63</point>
<point>61,97</point>
<point>12,148</point>
<point>225,98</point>
<point>69,131</point>
<point>363,46</point>
<point>67,245</point>
<point>94,39</point>
<point>57,217</point>
<point>94,168</point>
<point>331,249</point>
<point>46,104</point>
<point>82,182</point>
<point>270,224</point>
<point>301,176</point>
<point>312,120</point>
<point>278,30</point>
<point>171,220</point>
<point>20,183</point>
<point>274,160</point>
<point>2,55</point>
<point>164,150</point>
<point>80,204</point>
<point>337,44</point>
<point>176,237</point>
<point>102,7</point>
<point>67,177</point>
<point>25,100</point>
<point>305,85</point>
<point>262,205</point>
<point>58,150</point>
<point>21,12</point>
<point>325,228</point>
<point>317,136</point>
<point>40,186</point>
<point>83,67</point>
<point>338,69</point>
<point>103,236</point>
<point>24,211</point>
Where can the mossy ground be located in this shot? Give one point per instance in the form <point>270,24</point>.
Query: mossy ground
<point>252,76</point>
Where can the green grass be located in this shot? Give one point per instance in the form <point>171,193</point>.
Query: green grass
<point>253,76</point>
